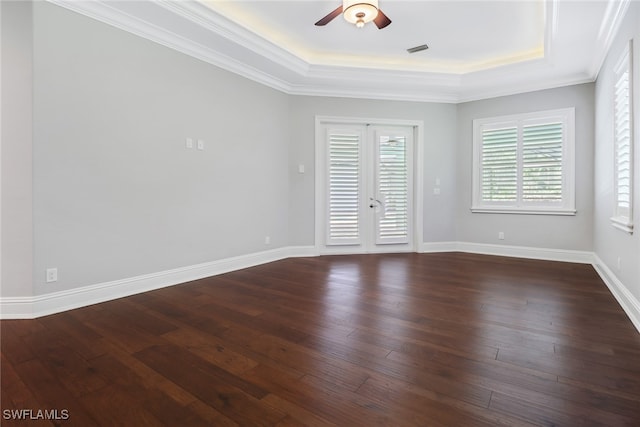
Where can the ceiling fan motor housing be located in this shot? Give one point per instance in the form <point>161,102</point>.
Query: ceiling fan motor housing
<point>360,12</point>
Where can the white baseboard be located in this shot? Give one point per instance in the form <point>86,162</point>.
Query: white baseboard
<point>626,299</point>
<point>563,255</point>
<point>302,251</point>
<point>432,247</point>
<point>582,257</point>
<point>56,302</point>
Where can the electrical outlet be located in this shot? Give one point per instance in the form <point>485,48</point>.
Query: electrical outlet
<point>52,275</point>
<point>189,143</point>
<point>619,264</point>
<point>500,235</point>
<point>200,144</point>
<point>267,240</point>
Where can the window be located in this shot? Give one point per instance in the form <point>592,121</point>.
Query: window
<point>524,163</point>
<point>623,143</point>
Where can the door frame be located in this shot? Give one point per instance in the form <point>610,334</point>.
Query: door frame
<point>320,178</point>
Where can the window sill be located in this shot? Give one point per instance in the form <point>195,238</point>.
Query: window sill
<point>622,223</point>
<point>524,211</point>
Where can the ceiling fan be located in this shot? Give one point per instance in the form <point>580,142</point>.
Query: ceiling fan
<point>358,12</point>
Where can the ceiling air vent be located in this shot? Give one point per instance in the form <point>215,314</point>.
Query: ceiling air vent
<point>417,48</point>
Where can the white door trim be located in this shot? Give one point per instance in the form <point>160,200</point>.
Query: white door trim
<point>418,176</point>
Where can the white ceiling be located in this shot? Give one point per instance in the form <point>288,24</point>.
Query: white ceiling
<point>463,36</point>
<point>477,48</point>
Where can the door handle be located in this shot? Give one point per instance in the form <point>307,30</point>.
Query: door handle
<point>376,204</point>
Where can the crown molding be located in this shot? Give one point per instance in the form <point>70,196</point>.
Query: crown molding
<point>235,48</point>
<point>207,18</point>
<point>609,27</point>
<point>388,95</point>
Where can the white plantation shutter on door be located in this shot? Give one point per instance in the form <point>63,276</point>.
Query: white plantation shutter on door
<point>392,175</point>
<point>366,184</point>
<point>343,207</point>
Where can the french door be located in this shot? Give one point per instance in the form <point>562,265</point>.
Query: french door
<point>368,177</point>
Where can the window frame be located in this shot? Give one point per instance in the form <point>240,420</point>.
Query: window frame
<point>566,206</point>
<point>622,218</point>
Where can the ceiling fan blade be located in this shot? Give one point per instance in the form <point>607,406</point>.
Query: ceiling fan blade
<point>329,17</point>
<point>381,20</point>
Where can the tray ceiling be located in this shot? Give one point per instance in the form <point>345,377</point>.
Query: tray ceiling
<point>477,48</point>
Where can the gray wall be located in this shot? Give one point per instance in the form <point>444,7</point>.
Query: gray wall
<point>539,231</point>
<point>439,158</point>
<point>17,226</point>
<point>610,243</point>
<point>116,193</point>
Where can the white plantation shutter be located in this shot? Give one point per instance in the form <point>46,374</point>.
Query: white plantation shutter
<point>542,162</point>
<point>344,188</point>
<point>499,165</point>
<point>524,163</point>
<point>623,140</point>
<point>623,144</point>
<point>393,189</point>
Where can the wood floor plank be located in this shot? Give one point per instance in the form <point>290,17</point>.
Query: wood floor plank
<point>445,339</point>
<point>296,412</point>
<point>439,412</point>
<point>143,320</point>
<point>157,401</point>
<point>117,329</point>
<point>15,394</point>
<point>603,375</point>
<point>211,349</point>
<point>319,399</point>
<point>299,360</point>
<point>409,394</point>
<point>233,396</point>
<point>13,346</point>
<point>145,376</point>
<point>544,414</point>
<point>74,372</point>
<point>52,394</point>
<point>85,341</point>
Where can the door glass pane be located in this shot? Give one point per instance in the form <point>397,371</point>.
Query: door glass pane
<point>392,190</point>
<point>344,189</point>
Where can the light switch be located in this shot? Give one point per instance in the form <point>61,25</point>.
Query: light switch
<point>189,143</point>
<point>300,168</point>
<point>200,144</point>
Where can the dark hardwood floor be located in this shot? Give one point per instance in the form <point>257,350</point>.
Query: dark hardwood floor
<point>368,340</point>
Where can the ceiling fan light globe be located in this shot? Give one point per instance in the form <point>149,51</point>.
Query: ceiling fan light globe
<point>359,12</point>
